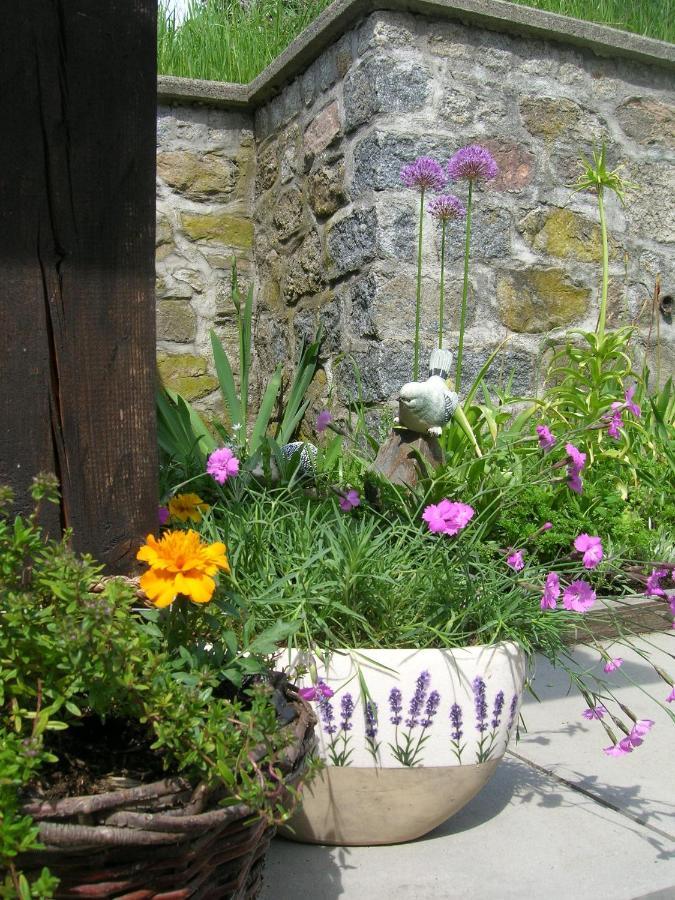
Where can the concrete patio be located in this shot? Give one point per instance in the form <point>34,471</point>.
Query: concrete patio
<point>559,819</point>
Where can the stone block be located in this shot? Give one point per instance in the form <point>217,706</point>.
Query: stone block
<point>323,129</point>
<point>352,241</point>
<point>218,228</point>
<point>398,221</point>
<point>176,321</point>
<point>186,374</point>
<point>564,234</point>
<point>198,176</point>
<point>326,189</point>
<point>379,158</point>
<point>380,84</point>
<point>650,212</point>
<point>467,106</point>
<point>308,87</point>
<point>290,163</point>
<point>360,304</point>
<point>326,69</point>
<point>515,369</point>
<point>305,273</point>
<point>383,368</point>
<point>533,301</point>
<point>288,215</point>
<point>517,164</point>
<point>163,239</point>
<point>490,231</point>
<point>386,29</point>
<point>648,121</point>
<point>550,118</point>
<point>267,168</point>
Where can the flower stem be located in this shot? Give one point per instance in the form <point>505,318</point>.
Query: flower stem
<point>465,290</point>
<point>600,328</point>
<point>418,301</point>
<point>442,299</point>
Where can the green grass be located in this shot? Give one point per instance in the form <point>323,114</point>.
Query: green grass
<point>233,40</point>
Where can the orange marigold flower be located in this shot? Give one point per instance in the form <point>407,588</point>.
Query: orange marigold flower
<point>180,564</point>
<point>187,506</point>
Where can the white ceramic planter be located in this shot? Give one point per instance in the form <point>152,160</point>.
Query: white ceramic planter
<point>408,738</point>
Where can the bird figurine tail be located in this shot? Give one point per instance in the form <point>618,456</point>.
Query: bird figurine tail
<point>440,363</point>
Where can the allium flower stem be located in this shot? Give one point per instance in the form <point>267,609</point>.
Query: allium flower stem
<point>441,307</point>
<point>418,299</point>
<point>602,315</point>
<point>465,290</point>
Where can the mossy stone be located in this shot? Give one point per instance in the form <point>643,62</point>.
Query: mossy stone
<point>564,234</point>
<point>176,321</point>
<point>186,374</point>
<point>537,300</point>
<point>218,228</point>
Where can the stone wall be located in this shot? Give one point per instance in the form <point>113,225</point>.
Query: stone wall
<point>335,231</point>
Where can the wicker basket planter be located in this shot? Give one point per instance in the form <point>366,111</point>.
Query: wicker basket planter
<point>167,840</point>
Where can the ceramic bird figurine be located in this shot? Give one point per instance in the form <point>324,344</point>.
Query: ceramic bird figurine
<point>426,406</point>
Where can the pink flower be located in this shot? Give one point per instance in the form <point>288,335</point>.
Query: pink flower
<point>446,207</point>
<point>316,692</point>
<point>546,526</point>
<point>596,712</point>
<point>630,406</point>
<point>671,696</point>
<point>574,482</point>
<point>643,727</point>
<point>616,422</point>
<point>222,464</point>
<point>350,501</point>
<point>425,174</point>
<point>591,547</point>
<point>578,596</point>
<point>546,438</point>
<point>613,665</point>
<point>322,421</point>
<point>163,515</point>
<point>472,162</point>
<point>627,744</point>
<point>551,591</point>
<point>653,588</point>
<point>617,750</point>
<point>577,459</point>
<point>515,560</point>
<point>448,517</point>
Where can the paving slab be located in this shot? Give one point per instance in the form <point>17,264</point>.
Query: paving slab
<point>559,819</point>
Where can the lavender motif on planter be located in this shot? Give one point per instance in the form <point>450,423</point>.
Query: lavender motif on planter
<point>408,746</point>
<point>347,710</point>
<point>480,703</point>
<point>497,709</point>
<point>371,723</point>
<point>512,715</point>
<point>327,715</point>
<point>339,751</point>
<point>456,734</point>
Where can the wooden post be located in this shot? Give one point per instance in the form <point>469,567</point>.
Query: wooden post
<point>78,91</point>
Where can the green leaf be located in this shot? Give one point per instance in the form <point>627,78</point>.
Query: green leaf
<point>226,380</point>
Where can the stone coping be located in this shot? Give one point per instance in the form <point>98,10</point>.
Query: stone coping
<point>341,15</point>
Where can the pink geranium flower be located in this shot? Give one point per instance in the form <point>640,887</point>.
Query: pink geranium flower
<point>591,547</point>
<point>551,591</point>
<point>671,696</point>
<point>577,459</point>
<point>613,664</point>
<point>222,464</point>
<point>323,420</point>
<point>653,587</point>
<point>350,501</point>
<point>617,750</point>
<point>546,438</point>
<point>448,517</point>
<point>578,596</point>
<point>316,692</point>
<point>546,526</point>
<point>630,406</point>
<point>616,422</point>
<point>515,560</point>
<point>594,712</point>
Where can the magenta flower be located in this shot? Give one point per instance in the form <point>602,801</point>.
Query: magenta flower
<point>425,174</point>
<point>546,526</point>
<point>448,517</point>
<point>617,750</point>
<point>671,696</point>
<point>653,587</point>
<point>515,560</point>
<point>642,727</point>
<point>472,162</point>
<point>446,207</point>
<point>316,692</point>
<point>630,406</point>
<point>574,482</point>
<point>577,459</point>
<point>628,744</point>
<point>163,515</point>
<point>578,596</point>
<point>551,591</point>
<point>222,464</point>
<point>595,712</point>
<point>322,421</point>
<point>350,501</point>
<point>616,422</point>
<point>612,665</point>
<point>546,438</point>
<point>591,547</point>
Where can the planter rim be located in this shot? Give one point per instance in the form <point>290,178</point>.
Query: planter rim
<point>463,648</point>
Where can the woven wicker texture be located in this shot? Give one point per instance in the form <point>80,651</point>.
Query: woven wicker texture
<point>165,840</point>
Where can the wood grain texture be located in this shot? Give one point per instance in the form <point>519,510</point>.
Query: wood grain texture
<point>77,214</point>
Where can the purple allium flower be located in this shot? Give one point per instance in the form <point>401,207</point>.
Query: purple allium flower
<point>578,596</point>
<point>446,207</point>
<point>395,706</point>
<point>163,515</point>
<point>480,703</point>
<point>346,711</point>
<point>472,162</point>
<point>222,464</point>
<point>456,720</point>
<point>616,422</point>
<point>430,709</point>
<point>512,712</point>
<point>447,517</point>
<point>370,715</point>
<point>425,174</point>
<point>546,438</point>
<point>551,591</point>
<point>323,420</point>
<point>613,665</point>
<point>417,702</point>
<point>653,587</point>
<point>591,547</point>
<point>594,712</point>
<point>632,408</point>
<point>515,560</point>
<point>327,715</point>
<point>497,709</point>
<point>350,501</point>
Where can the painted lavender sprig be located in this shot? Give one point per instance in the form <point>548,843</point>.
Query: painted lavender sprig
<point>370,716</point>
<point>407,748</point>
<point>456,734</point>
<point>339,751</point>
<point>481,712</point>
